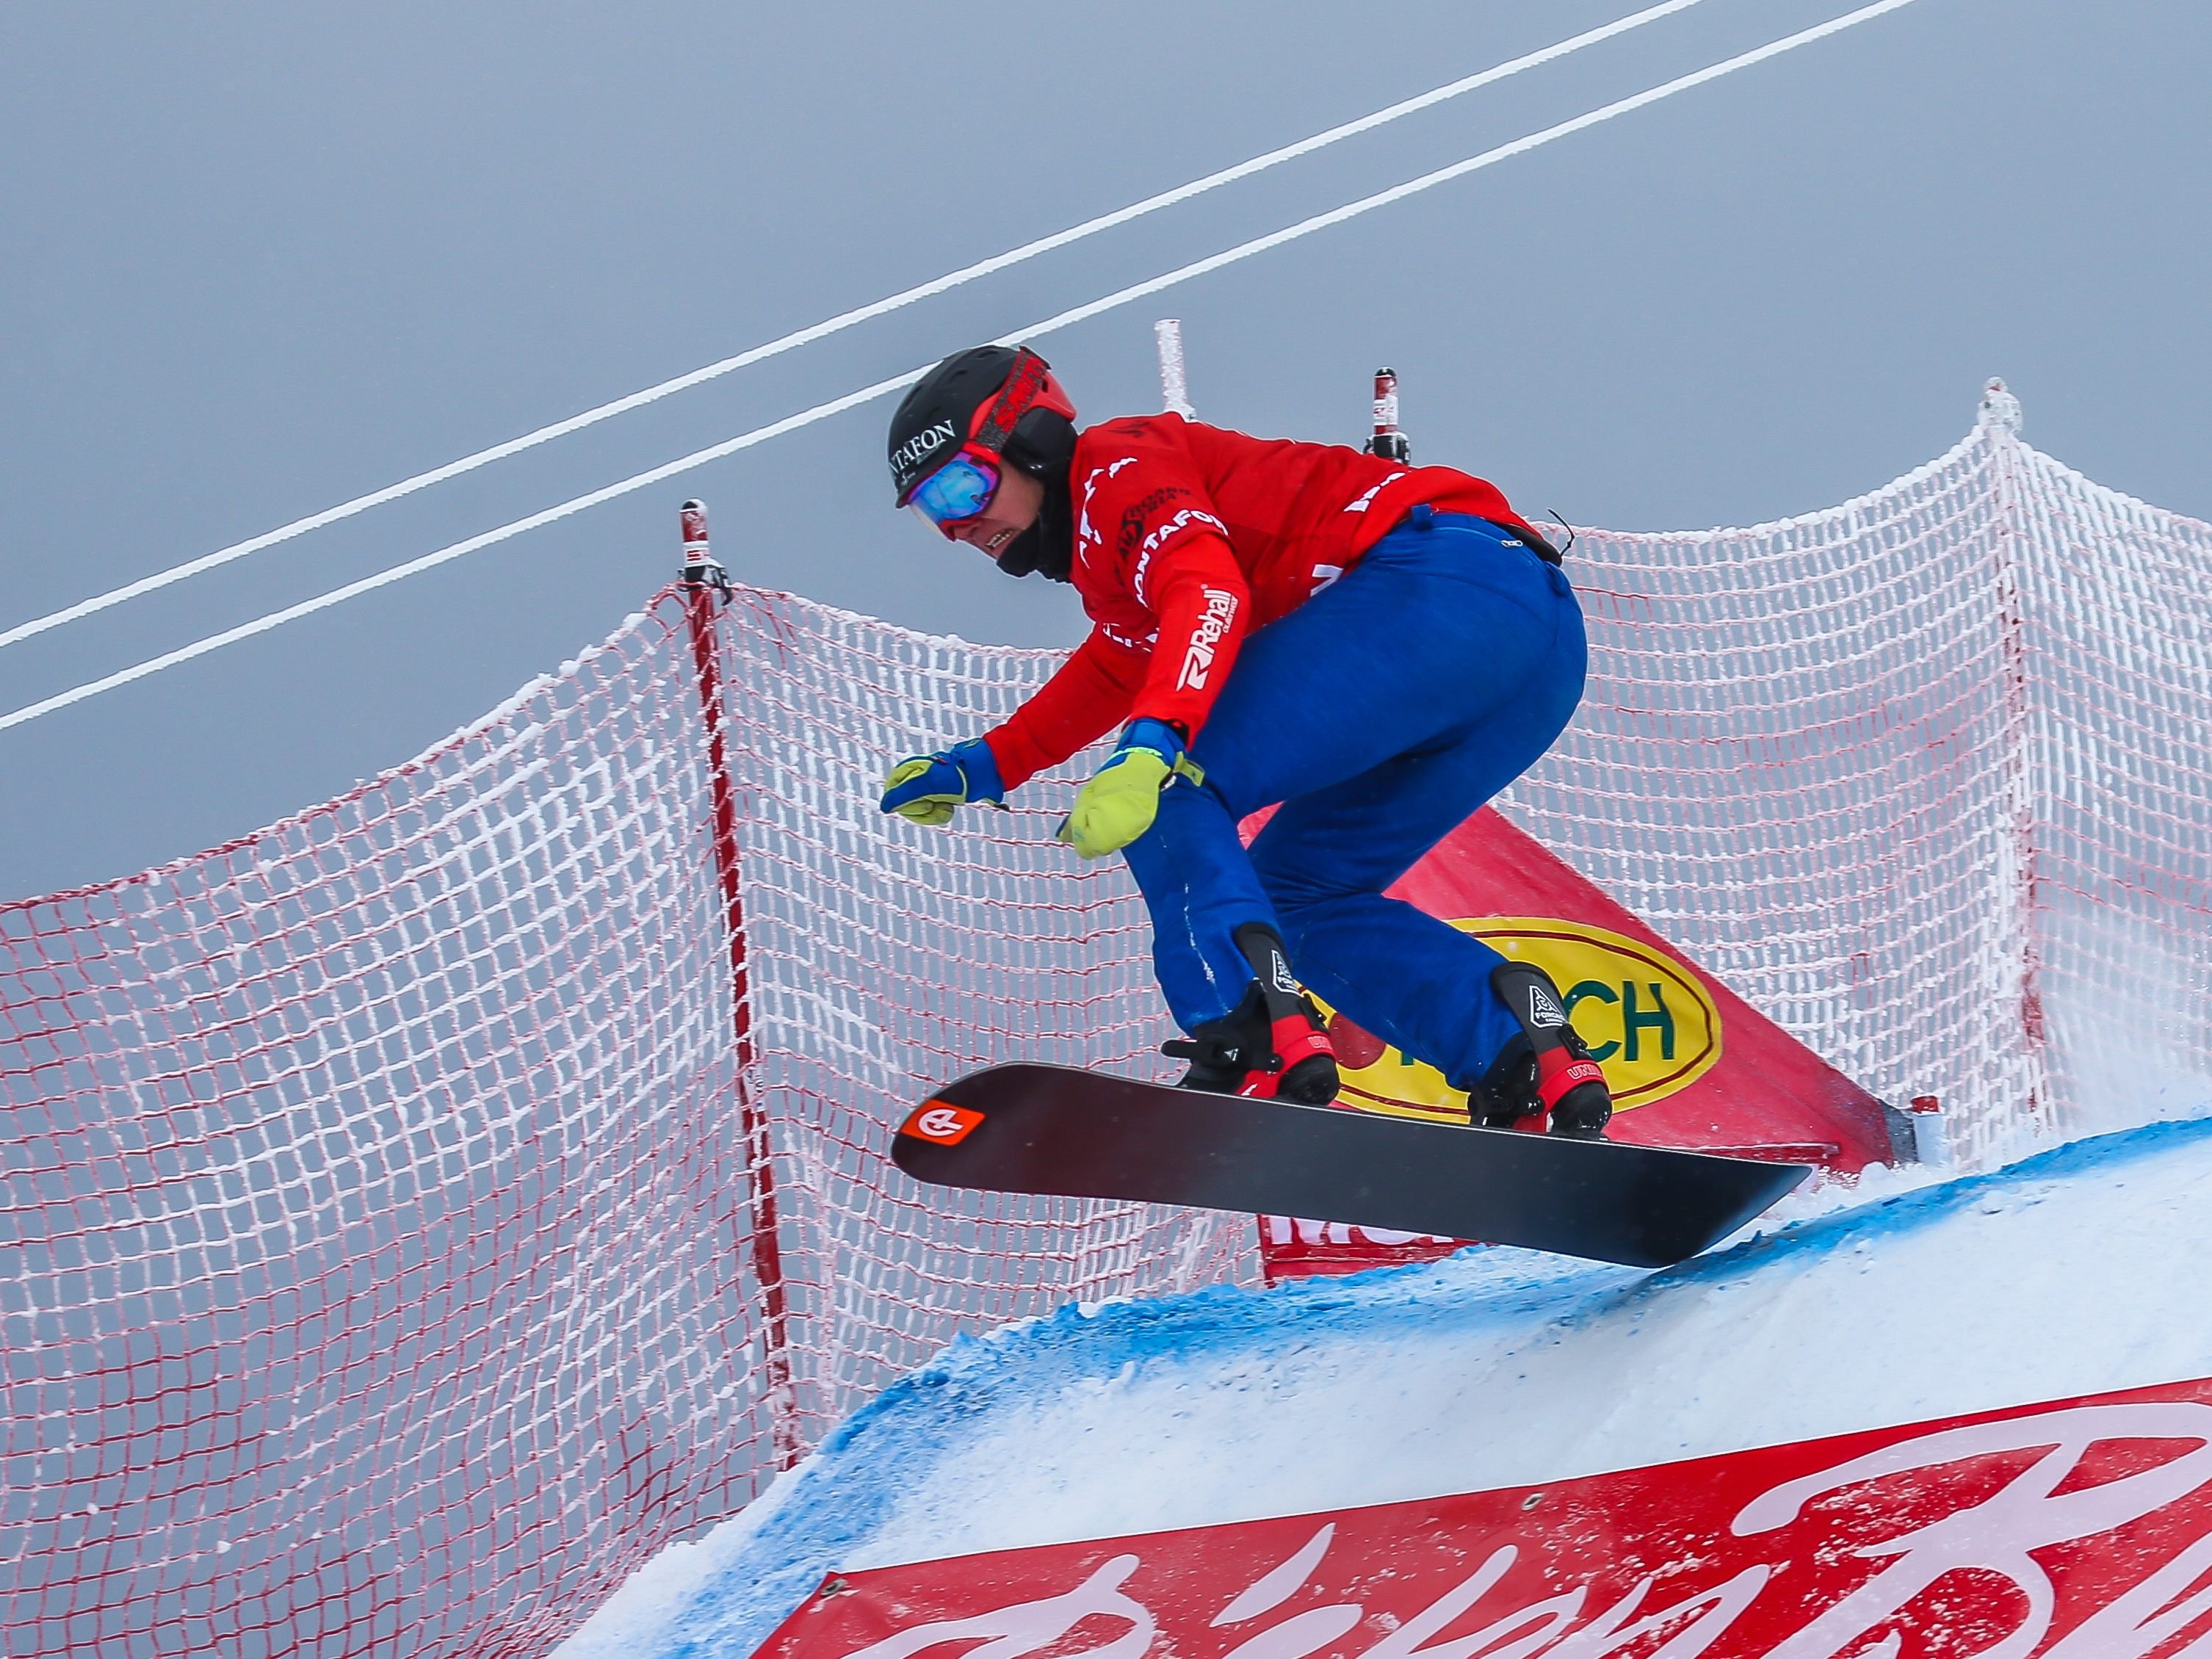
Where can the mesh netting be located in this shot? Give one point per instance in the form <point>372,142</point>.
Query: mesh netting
<point>381,1251</point>
<point>1928,778</point>
<point>377,1265</point>
<point>883,956</point>
<point>372,1228</point>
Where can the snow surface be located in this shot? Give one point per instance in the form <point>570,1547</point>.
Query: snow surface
<point>2072,1272</point>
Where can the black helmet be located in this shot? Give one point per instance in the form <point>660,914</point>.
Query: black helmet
<point>954,403</point>
<point>1003,400</point>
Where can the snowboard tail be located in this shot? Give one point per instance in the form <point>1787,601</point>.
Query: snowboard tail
<point>1057,1130</point>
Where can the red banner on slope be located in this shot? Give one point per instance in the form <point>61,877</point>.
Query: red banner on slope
<point>1690,1063</point>
<point>2079,1530</point>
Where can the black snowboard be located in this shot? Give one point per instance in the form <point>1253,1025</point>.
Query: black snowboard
<point>1088,1134</point>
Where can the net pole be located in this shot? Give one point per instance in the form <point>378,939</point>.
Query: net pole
<point>2001,419</point>
<point>706,586</point>
<point>1174,389</point>
<point>1388,440</point>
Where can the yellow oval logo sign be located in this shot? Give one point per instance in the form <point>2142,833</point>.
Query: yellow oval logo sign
<point>1647,1019</point>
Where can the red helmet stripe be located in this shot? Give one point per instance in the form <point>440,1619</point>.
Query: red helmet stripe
<point>1028,385</point>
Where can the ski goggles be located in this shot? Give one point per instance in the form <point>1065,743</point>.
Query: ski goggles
<point>959,490</point>
<point>963,487</point>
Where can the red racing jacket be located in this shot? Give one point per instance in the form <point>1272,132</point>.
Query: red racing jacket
<point>1187,539</point>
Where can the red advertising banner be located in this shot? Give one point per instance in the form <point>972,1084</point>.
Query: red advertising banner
<point>2078,1529</point>
<point>1689,1062</point>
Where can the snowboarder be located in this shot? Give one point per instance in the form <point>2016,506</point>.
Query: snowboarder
<point>1379,647</point>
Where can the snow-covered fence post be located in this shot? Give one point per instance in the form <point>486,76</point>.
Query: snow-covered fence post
<point>1931,1137</point>
<point>707,585</point>
<point>2000,421</point>
<point>1174,390</point>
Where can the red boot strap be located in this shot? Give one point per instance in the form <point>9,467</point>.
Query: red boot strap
<point>1558,1072</point>
<point>1297,1038</point>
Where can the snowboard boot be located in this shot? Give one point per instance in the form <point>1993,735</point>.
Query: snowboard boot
<point>1504,1097</point>
<point>1544,1075</point>
<point>1271,1045</point>
<point>1516,1094</point>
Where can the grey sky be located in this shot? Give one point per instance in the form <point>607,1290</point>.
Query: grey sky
<point>255,259</point>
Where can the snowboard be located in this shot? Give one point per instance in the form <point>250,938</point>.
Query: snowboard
<point>1054,1129</point>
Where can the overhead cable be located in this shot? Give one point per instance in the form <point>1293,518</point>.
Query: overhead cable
<point>881,388</point>
<point>843,320</point>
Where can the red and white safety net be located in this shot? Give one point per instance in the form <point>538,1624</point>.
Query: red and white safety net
<point>883,959</point>
<point>380,1254</point>
<point>1927,777</point>
<point>378,1267</point>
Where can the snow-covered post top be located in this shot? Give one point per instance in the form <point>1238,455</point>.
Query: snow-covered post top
<point>1175,392</point>
<point>2000,408</point>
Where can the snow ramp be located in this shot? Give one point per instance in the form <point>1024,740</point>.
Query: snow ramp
<point>2074,1273</point>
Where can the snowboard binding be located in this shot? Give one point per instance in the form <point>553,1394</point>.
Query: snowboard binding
<point>1544,1075</point>
<point>1271,1045</point>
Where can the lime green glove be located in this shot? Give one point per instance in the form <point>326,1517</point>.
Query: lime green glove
<point>927,787</point>
<point>1123,796</point>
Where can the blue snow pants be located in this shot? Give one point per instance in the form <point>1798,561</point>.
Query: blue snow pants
<point>1381,713</point>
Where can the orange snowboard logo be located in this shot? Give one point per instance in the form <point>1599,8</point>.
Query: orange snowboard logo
<point>1648,1021</point>
<point>948,1126</point>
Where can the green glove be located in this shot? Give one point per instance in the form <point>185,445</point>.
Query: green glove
<point>927,787</point>
<point>1123,796</point>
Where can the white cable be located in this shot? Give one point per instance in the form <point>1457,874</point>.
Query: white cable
<point>865,394</point>
<point>834,325</point>
<point>1458,169</point>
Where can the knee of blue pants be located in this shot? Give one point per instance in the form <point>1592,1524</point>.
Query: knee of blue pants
<point>1200,889</point>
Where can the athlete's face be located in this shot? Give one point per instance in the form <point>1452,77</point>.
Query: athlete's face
<point>1014,507</point>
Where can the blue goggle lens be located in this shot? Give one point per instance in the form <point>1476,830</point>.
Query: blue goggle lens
<point>959,490</point>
